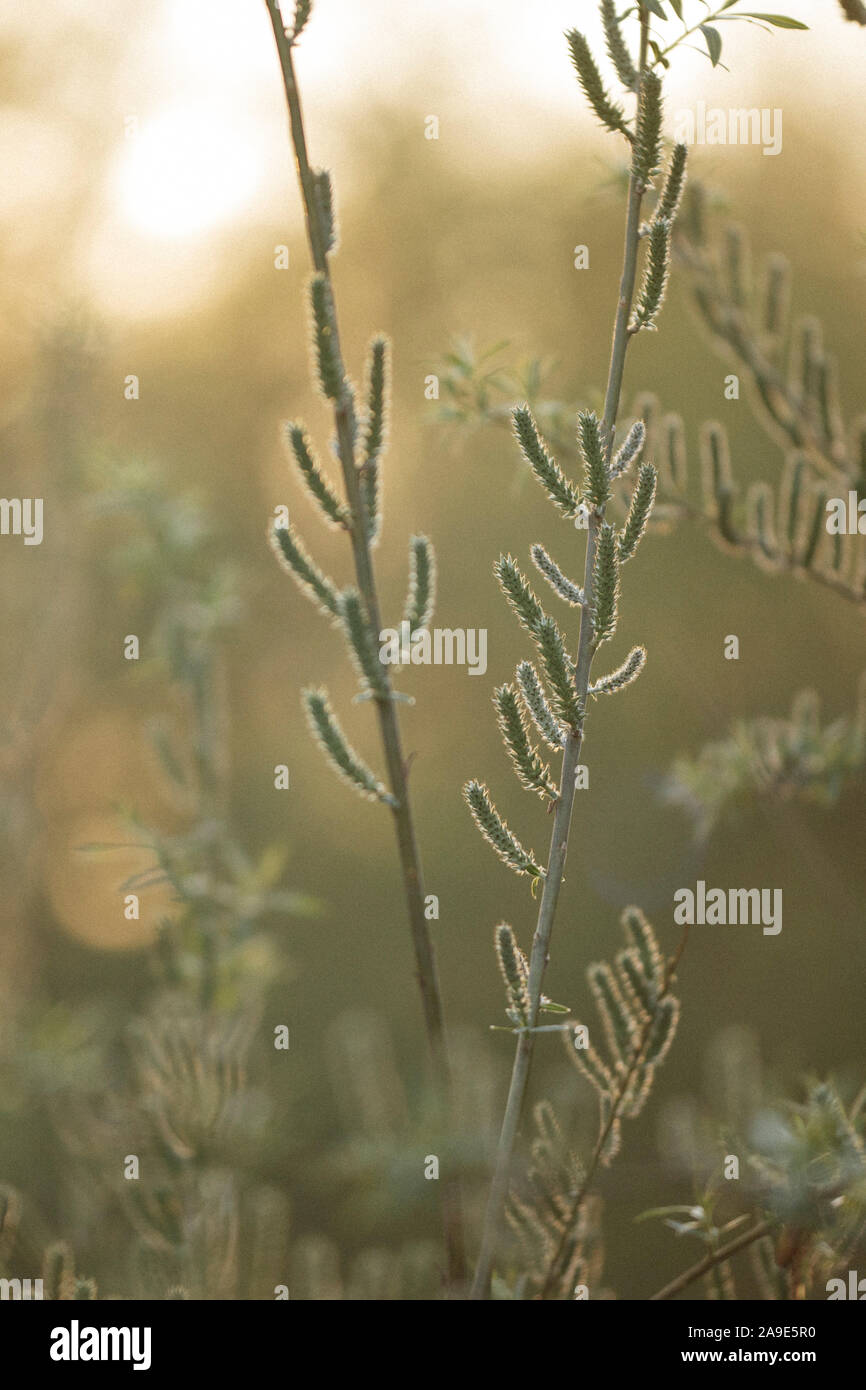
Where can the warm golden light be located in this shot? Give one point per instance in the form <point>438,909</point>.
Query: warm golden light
<point>184,173</point>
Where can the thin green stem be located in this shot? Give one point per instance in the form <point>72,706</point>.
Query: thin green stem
<point>410,862</point>
<point>687,33</point>
<point>716,1257</point>
<point>540,953</point>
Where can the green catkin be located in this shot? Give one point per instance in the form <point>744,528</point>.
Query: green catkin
<point>674,453</point>
<point>303,10</point>
<point>570,592</point>
<point>662,1030</point>
<point>371,498</point>
<point>646,408</point>
<point>619,1025</point>
<point>375,435</point>
<point>632,969</point>
<point>717,480</point>
<point>596,476</point>
<point>85,1290</point>
<point>561,492</point>
<point>642,937</point>
<point>294,558</point>
<point>512,964</point>
<point>532,773</point>
<point>617,47</point>
<point>495,831</point>
<point>806,362</point>
<point>58,1272</point>
<point>828,401</point>
<point>736,253</point>
<point>631,450</point>
<point>674,185</point>
<point>696,215</point>
<point>795,481</point>
<point>613,1141</point>
<point>421,595</point>
<point>589,1063</point>
<point>777,295</point>
<point>519,594</point>
<point>361,642</point>
<point>323,194</point>
<point>837,552</point>
<point>317,484</point>
<point>639,513</point>
<point>327,732</point>
<point>655,278</point>
<point>10,1219</point>
<point>610,113</point>
<point>624,675</point>
<point>536,702</point>
<point>330,372</point>
<point>635,997</point>
<point>638,1092</point>
<point>378,373</point>
<point>647,144</point>
<point>759,511</point>
<point>559,672</point>
<point>817,527</point>
<point>605,586</point>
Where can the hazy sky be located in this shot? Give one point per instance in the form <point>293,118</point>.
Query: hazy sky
<point>193,107</point>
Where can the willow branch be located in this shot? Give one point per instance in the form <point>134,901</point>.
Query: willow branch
<point>410,863</point>
<point>716,1257</point>
<point>571,757</point>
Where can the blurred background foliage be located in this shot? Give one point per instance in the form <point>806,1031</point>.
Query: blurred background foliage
<point>261,907</point>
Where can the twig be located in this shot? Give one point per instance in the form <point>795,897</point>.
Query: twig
<point>425,960</point>
<point>715,1257</point>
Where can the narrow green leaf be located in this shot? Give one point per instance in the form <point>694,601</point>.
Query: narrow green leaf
<point>714,42</point>
<point>779,21</point>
